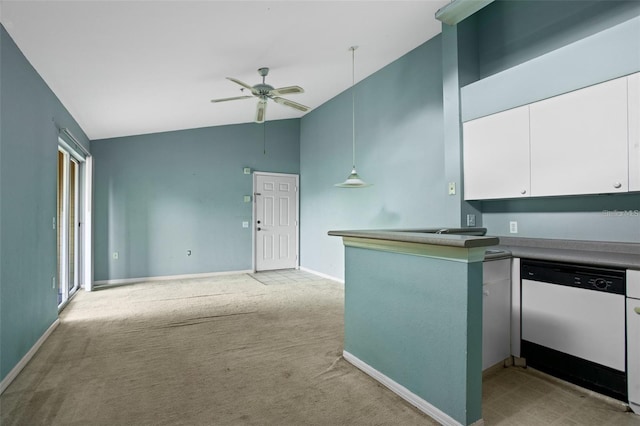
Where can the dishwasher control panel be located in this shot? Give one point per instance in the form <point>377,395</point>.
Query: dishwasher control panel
<point>573,275</point>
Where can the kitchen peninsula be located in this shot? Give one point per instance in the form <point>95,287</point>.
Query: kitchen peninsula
<point>413,316</point>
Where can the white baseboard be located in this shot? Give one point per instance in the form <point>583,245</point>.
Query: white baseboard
<point>168,278</point>
<point>404,393</point>
<point>4,384</point>
<point>320,274</point>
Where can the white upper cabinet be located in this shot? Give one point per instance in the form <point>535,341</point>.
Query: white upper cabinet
<point>582,142</point>
<point>496,155</point>
<point>579,141</point>
<point>634,131</point>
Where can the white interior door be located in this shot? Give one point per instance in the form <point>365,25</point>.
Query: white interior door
<point>276,221</point>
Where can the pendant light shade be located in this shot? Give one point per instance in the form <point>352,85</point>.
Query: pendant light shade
<point>353,180</point>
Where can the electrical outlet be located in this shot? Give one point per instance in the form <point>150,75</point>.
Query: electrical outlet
<point>452,188</point>
<point>513,227</point>
<point>471,220</point>
<point>116,255</point>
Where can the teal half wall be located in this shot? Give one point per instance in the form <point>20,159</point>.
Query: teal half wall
<point>399,149</point>
<point>157,196</point>
<point>418,321</point>
<point>29,114</point>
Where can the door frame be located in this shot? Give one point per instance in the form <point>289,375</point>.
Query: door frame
<point>254,214</point>
<point>84,174</point>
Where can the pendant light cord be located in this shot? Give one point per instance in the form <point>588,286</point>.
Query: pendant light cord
<point>353,103</point>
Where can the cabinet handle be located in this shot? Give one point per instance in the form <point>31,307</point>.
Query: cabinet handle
<point>637,309</point>
<point>617,185</point>
<point>524,191</point>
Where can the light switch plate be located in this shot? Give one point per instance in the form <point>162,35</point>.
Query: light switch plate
<point>247,198</point>
<point>247,170</point>
<point>245,224</point>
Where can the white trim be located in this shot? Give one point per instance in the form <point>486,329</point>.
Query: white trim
<point>168,278</point>
<point>4,384</point>
<point>320,274</point>
<point>87,232</point>
<point>404,393</point>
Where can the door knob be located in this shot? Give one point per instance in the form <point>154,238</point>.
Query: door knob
<point>258,222</point>
<point>617,185</point>
<point>259,229</point>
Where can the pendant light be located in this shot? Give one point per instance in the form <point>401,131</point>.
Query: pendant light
<point>353,180</point>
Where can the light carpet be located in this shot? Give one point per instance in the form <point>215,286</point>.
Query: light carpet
<point>217,351</point>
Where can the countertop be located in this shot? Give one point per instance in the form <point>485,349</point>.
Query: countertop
<point>595,253</point>
<point>425,236</point>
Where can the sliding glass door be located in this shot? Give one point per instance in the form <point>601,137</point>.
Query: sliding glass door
<point>68,220</point>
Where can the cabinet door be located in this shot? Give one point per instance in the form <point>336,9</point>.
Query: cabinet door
<point>496,155</point>
<point>634,131</point>
<point>633,350</point>
<point>496,312</point>
<point>579,141</point>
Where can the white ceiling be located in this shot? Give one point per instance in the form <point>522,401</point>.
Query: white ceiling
<point>133,67</point>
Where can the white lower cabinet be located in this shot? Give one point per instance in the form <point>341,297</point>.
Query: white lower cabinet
<point>633,339</point>
<point>496,314</point>
<point>633,353</point>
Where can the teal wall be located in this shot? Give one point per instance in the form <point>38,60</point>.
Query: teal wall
<point>529,50</point>
<point>29,113</point>
<point>513,32</point>
<point>399,149</point>
<point>159,195</point>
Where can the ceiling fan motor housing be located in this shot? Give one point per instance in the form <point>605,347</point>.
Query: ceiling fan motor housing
<point>262,89</point>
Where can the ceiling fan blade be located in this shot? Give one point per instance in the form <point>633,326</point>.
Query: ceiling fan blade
<point>289,90</point>
<point>231,99</point>
<point>261,110</point>
<point>241,83</point>
<point>291,104</point>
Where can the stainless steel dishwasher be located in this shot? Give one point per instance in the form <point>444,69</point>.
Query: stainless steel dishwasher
<point>573,324</point>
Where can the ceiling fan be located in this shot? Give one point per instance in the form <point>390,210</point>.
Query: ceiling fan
<point>264,92</point>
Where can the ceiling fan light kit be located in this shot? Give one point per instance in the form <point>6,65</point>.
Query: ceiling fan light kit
<point>264,92</point>
<point>353,180</point>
